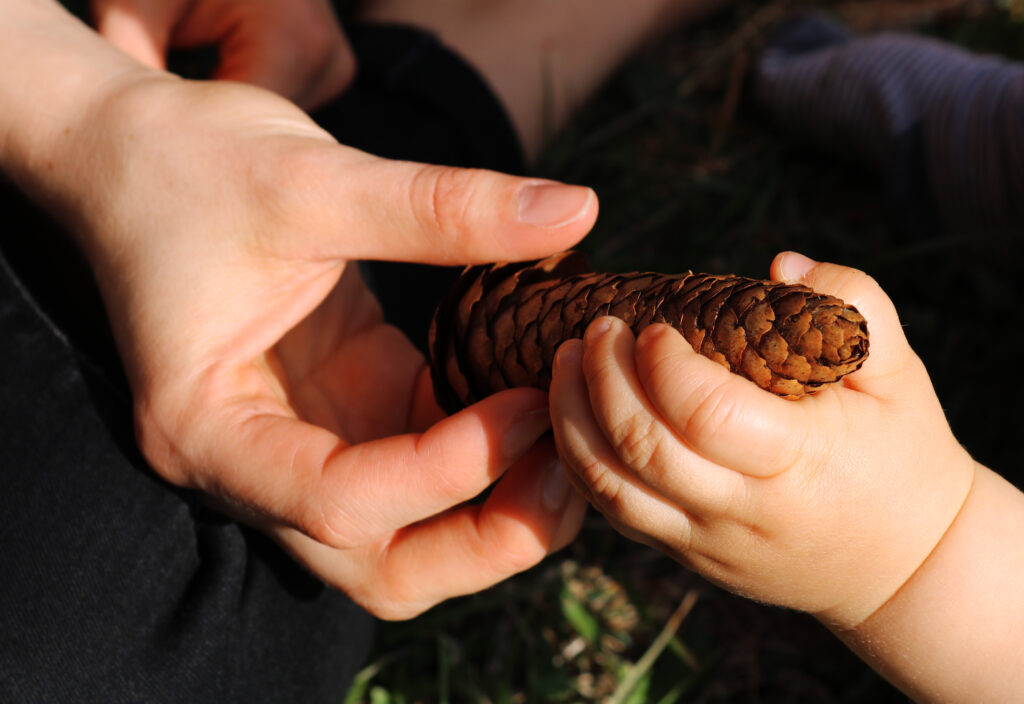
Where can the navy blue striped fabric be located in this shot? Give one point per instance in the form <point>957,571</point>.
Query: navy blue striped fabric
<point>892,99</point>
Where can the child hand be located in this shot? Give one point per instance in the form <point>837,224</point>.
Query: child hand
<point>827,505</point>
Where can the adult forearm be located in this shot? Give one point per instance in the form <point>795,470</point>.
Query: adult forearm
<point>54,71</point>
<point>955,631</point>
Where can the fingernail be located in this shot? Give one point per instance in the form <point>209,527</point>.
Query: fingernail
<point>652,334</point>
<point>556,487</point>
<point>569,353</point>
<point>793,266</point>
<point>598,328</point>
<point>552,204</point>
<point>525,432</point>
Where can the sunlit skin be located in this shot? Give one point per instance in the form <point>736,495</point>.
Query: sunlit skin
<point>273,385</point>
<point>856,505</point>
<point>295,48</point>
<point>220,222</point>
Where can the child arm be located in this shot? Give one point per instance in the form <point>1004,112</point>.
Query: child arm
<point>955,631</point>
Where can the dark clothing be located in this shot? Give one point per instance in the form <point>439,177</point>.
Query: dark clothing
<point>416,102</point>
<point>117,587</point>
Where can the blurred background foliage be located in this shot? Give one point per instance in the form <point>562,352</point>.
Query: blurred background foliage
<point>691,177</point>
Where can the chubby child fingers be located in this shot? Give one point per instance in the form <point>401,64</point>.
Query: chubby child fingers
<point>721,416</point>
<point>631,507</point>
<point>623,456</point>
<point>890,355</point>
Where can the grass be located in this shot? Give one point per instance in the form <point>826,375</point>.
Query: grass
<point>687,181</point>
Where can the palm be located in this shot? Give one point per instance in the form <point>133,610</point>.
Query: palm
<point>346,370</point>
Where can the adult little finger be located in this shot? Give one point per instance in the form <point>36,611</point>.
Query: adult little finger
<point>531,513</point>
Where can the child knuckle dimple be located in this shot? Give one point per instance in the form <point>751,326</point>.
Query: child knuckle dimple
<point>605,490</point>
<point>755,537</point>
<point>594,474</point>
<point>637,441</point>
<point>711,413</point>
<point>603,371</point>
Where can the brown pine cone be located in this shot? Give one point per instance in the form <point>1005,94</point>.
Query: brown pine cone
<point>501,324</point>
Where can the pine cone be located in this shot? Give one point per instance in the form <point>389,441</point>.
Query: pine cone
<point>501,324</point>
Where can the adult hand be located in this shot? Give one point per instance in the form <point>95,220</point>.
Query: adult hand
<point>295,48</point>
<point>828,504</point>
<point>221,223</point>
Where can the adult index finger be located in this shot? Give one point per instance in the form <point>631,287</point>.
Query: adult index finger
<point>374,208</point>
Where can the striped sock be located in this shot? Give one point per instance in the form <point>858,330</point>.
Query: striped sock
<point>945,127</point>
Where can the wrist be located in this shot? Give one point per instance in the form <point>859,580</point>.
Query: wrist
<point>884,554</point>
<point>57,71</point>
<point>953,630</point>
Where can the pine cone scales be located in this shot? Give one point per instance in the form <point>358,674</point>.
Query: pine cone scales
<point>501,324</point>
